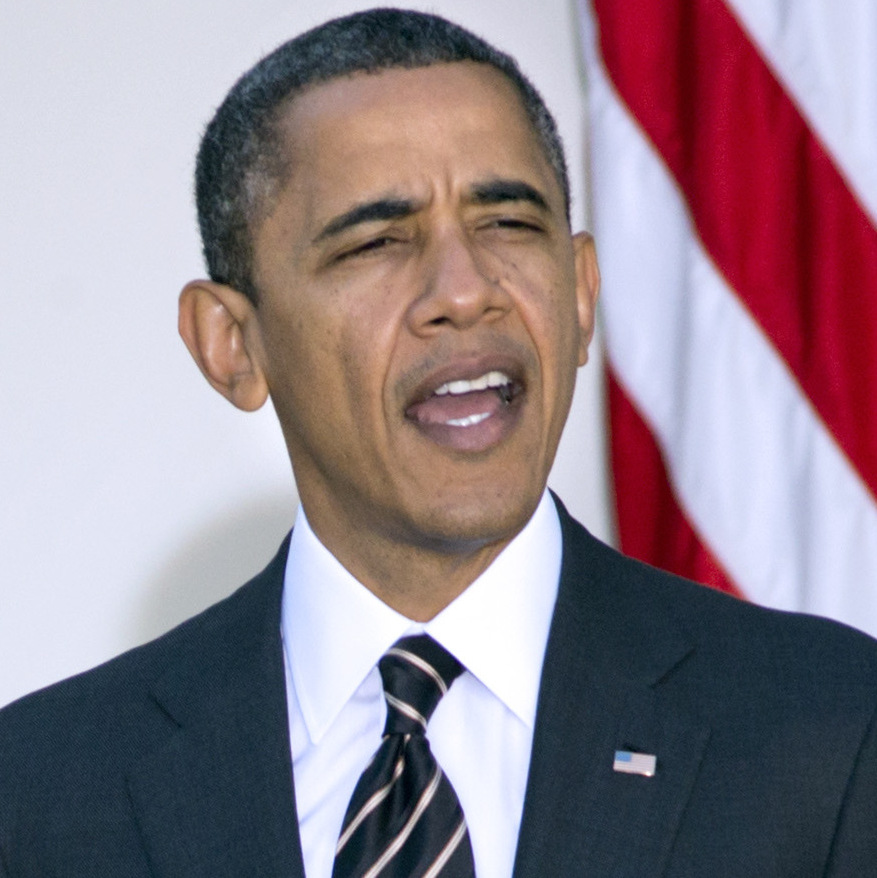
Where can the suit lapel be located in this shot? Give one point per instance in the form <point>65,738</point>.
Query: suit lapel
<point>601,691</point>
<point>216,798</point>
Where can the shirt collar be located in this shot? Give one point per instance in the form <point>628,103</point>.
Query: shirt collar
<point>335,630</point>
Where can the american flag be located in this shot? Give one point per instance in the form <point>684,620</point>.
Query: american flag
<point>629,762</point>
<point>733,173</point>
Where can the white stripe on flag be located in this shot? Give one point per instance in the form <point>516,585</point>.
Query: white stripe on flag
<point>826,56</point>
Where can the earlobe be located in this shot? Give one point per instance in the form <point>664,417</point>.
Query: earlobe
<point>219,327</point>
<point>587,289</point>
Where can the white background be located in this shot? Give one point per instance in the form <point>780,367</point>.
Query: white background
<point>132,495</point>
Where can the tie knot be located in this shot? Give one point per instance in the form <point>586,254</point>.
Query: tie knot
<point>416,672</point>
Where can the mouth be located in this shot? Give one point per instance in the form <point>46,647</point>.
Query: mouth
<point>473,393</point>
<point>469,412</point>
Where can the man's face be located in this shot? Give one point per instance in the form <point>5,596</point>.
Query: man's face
<point>423,309</point>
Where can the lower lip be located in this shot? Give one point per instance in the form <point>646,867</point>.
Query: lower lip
<point>483,436</point>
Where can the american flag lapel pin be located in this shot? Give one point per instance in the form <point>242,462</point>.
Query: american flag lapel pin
<point>628,762</point>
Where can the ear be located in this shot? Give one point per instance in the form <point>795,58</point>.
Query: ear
<point>587,289</point>
<point>219,326</point>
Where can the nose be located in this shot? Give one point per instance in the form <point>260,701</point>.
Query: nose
<point>461,285</point>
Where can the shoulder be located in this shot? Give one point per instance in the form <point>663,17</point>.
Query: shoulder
<point>69,753</point>
<point>733,640</point>
<point>110,703</point>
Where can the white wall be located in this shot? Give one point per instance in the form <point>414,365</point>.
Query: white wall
<point>132,495</point>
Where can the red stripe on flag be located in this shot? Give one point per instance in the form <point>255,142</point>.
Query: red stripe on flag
<point>651,524</point>
<point>768,203</point>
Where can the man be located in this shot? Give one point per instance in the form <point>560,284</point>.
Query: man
<point>384,209</point>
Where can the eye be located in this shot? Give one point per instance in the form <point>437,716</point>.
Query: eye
<point>515,224</point>
<point>366,247</point>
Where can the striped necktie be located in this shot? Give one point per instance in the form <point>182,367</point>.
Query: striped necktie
<point>404,819</point>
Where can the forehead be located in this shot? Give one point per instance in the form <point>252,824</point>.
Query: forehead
<point>410,133</point>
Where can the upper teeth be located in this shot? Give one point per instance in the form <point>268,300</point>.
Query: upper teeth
<point>490,379</point>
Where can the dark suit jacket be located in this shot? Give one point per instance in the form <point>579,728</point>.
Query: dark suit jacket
<point>173,760</point>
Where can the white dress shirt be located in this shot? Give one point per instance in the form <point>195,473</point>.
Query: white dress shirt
<point>335,630</point>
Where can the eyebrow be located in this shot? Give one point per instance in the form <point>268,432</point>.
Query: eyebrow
<point>500,191</point>
<point>369,211</point>
<point>381,209</point>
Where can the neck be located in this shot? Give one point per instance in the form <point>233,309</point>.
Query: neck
<point>416,580</point>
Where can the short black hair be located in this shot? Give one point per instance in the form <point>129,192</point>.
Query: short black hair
<point>241,162</point>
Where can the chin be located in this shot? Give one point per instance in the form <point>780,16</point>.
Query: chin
<point>466,524</point>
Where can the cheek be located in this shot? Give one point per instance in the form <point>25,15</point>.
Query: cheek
<point>299,348</point>
<point>545,294</point>
<point>365,344</point>
<point>550,315</point>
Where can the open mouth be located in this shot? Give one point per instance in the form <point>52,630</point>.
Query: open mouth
<point>475,393</point>
<point>469,412</point>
